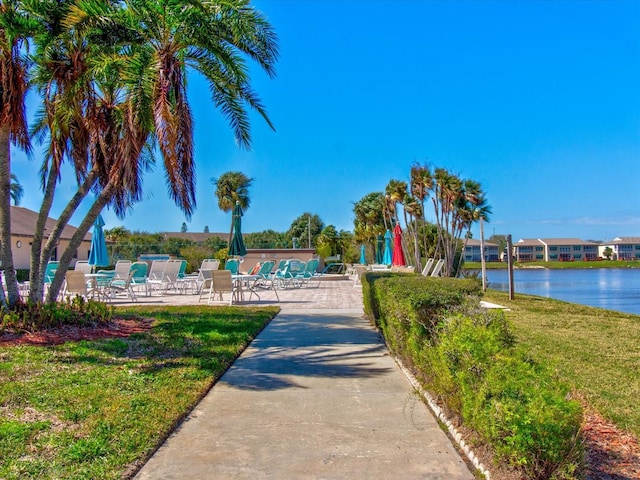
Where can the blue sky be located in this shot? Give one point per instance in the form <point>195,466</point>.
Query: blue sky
<point>538,101</point>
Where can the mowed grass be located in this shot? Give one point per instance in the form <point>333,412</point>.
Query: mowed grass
<point>596,351</point>
<point>98,409</point>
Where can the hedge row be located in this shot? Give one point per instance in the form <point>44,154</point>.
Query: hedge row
<point>468,358</point>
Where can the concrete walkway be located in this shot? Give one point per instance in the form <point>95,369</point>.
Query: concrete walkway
<point>315,395</point>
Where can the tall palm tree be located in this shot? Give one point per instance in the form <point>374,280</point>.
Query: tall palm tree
<point>421,184</point>
<point>232,187</point>
<point>159,41</point>
<point>15,28</point>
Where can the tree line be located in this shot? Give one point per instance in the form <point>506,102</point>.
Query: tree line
<point>457,204</point>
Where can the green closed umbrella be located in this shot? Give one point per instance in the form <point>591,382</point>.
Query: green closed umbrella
<point>379,250</point>
<point>237,248</point>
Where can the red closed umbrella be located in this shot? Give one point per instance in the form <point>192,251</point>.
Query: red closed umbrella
<point>398,256</point>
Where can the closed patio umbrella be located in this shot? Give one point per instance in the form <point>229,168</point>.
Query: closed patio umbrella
<point>363,260</point>
<point>398,255</point>
<point>386,257</point>
<point>379,249</point>
<point>237,248</point>
<point>98,256</point>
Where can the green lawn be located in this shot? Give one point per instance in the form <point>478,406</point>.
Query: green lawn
<point>596,351</point>
<point>96,409</point>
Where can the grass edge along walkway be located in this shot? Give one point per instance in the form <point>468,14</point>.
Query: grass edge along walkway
<point>100,408</point>
<point>596,351</point>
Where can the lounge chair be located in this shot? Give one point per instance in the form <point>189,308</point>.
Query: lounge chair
<point>264,279</point>
<point>50,271</point>
<point>427,267</point>
<point>139,278</point>
<point>156,275</point>
<point>121,270</point>
<point>232,265</point>
<point>310,271</point>
<point>438,268</point>
<point>123,286</point>
<point>289,276</point>
<point>196,280</point>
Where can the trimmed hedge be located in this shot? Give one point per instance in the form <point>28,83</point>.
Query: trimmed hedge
<point>469,359</point>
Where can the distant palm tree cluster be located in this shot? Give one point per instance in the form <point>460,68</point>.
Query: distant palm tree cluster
<point>111,76</point>
<point>457,204</point>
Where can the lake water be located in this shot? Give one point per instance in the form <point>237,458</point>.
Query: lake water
<point>610,288</point>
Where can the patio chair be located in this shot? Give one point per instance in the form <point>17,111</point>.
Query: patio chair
<point>171,272</point>
<point>139,278</point>
<point>156,275</point>
<point>427,267</point>
<point>75,285</point>
<point>121,271</point>
<point>232,265</point>
<point>289,275</point>
<point>438,268</point>
<point>207,265</point>
<point>50,271</point>
<point>221,282</point>
<point>82,266</point>
<point>123,286</point>
<point>264,279</point>
<point>310,271</point>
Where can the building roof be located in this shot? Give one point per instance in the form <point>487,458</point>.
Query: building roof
<point>566,241</point>
<point>474,242</point>
<point>552,241</point>
<point>23,224</point>
<point>197,237</point>
<point>625,240</point>
<point>525,242</point>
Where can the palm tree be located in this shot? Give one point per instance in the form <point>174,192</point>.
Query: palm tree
<point>421,184</point>
<point>232,187</point>
<point>17,192</point>
<point>15,28</point>
<point>159,41</point>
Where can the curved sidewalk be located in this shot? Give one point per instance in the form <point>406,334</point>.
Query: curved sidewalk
<point>315,395</point>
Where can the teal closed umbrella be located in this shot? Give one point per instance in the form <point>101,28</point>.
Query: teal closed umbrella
<point>386,257</point>
<point>237,248</point>
<point>98,256</point>
<point>363,260</point>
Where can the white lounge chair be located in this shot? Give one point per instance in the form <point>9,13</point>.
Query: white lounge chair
<point>427,267</point>
<point>438,268</point>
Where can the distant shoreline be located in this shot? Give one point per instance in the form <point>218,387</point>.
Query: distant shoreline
<point>555,265</point>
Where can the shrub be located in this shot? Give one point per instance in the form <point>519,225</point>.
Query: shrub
<point>469,358</point>
<point>32,317</point>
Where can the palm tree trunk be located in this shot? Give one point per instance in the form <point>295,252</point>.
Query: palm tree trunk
<point>65,260</point>
<point>6,255</point>
<point>37,266</point>
<point>63,220</point>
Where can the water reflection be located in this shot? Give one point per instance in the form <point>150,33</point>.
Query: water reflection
<point>610,288</point>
